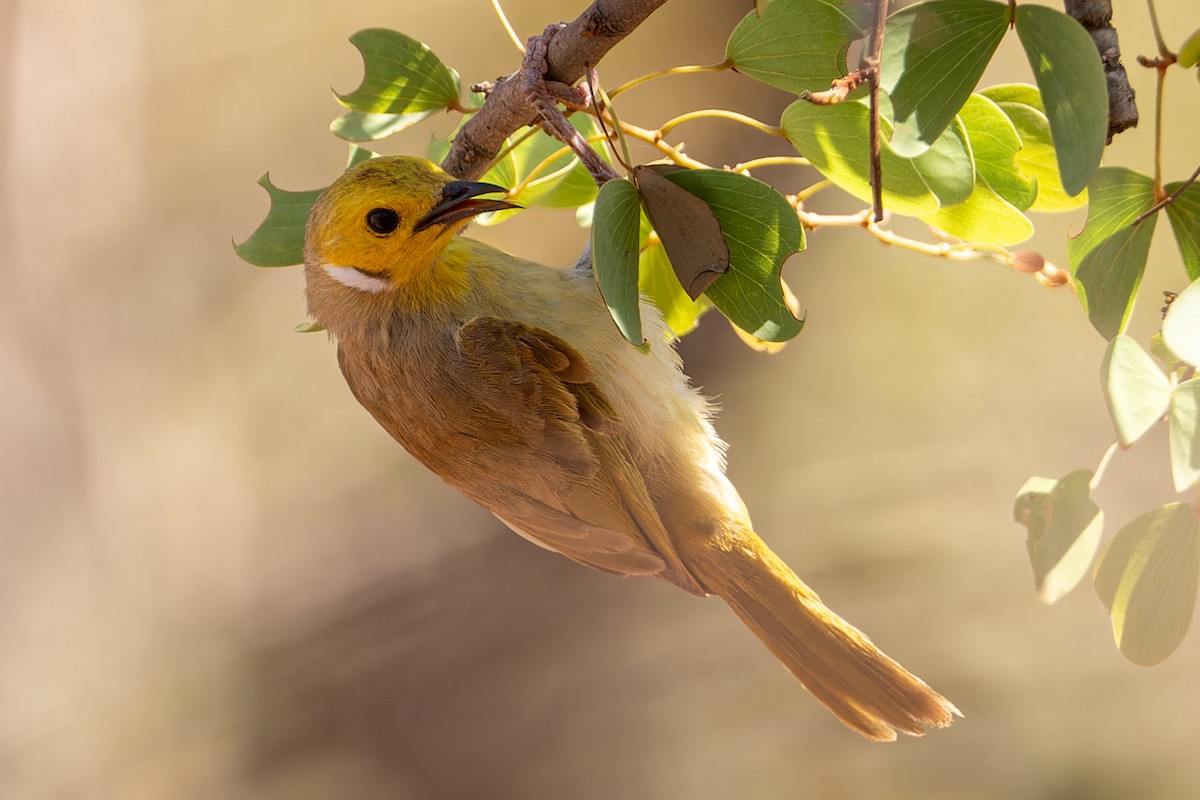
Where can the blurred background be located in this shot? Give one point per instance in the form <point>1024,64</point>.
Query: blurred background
<point>219,578</point>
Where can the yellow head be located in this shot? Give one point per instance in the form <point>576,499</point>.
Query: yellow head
<point>384,225</point>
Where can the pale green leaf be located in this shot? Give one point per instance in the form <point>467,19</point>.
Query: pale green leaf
<point>1068,72</point>
<point>1147,577</point>
<point>1064,531</point>
<point>933,56</point>
<point>1135,389</point>
<point>1181,328</point>
<point>1184,420</point>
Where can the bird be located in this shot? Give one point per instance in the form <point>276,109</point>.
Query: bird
<point>509,380</point>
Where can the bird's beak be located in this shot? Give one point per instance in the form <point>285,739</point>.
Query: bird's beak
<point>459,202</point>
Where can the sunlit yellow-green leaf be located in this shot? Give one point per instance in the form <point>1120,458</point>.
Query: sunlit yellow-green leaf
<point>1147,578</point>
<point>1037,160</point>
<point>994,147</point>
<point>984,217</point>
<point>1189,51</point>
<point>657,282</point>
<point>834,139</point>
<point>1064,530</point>
<point>1184,420</point>
<point>1135,389</point>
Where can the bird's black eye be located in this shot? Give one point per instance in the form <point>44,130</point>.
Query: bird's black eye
<point>382,221</point>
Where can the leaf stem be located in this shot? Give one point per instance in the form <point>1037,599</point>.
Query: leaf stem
<point>718,113</point>
<point>508,28</point>
<point>655,140</point>
<point>771,161</point>
<point>1158,37</point>
<point>662,73</point>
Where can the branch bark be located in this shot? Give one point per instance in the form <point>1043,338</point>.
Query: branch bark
<point>1096,18</point>
<point>573,50</point>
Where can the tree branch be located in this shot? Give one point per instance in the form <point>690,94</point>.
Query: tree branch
<point>573,50</point>
<point>1096,17</point>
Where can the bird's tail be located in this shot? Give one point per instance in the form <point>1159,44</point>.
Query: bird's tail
<point>868,691</point>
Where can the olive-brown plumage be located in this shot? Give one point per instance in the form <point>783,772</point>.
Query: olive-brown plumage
<point>510,381</point>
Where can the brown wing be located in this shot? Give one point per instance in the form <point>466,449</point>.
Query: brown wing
<point>574,487</point>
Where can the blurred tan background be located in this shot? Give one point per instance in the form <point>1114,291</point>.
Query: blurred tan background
<point>219,578</point>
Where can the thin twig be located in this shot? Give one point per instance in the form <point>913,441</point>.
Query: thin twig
<point>871,62</point>
<point>1169,199</point>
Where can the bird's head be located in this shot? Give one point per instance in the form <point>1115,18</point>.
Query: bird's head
<point>384,223</point>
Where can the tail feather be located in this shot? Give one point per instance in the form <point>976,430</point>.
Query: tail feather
<point>868,691</point>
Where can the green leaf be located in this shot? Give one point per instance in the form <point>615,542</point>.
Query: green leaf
<point>363,126</point>
<point>994,147</point>
<point>1184,420</point>
<point>1037,159</point>
<point>1021,93</point>
<point>279,239</point>
<point>309,327</point>
<point>1184,214</point>
<point>1135,389</point>
<point>1189,51</point>
<point>688,229</point>
<point>1147,578</point>
<point>795,45</point>
<point>761,230</point>
<point>541,177</point>
<point>834,139</point>
<point>400,76</point>
<point>657,281</point>
<point>615,255</point>
<point>933,56</point>
<point>1109,255</point>
<point>947,167</point>
<point>1071,79</point>
<point>1064,530</point>
<point>1181,328</point>
<point>984,217</point>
